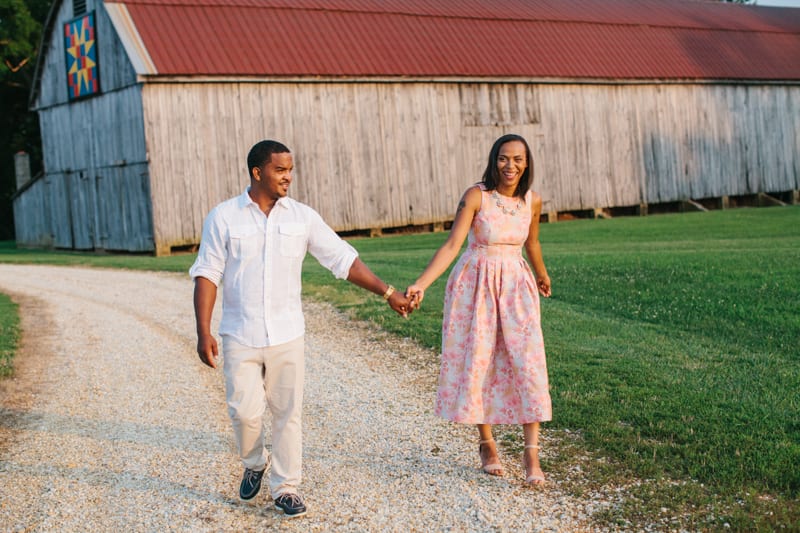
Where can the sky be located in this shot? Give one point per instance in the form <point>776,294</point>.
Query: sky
<point>778,3</point>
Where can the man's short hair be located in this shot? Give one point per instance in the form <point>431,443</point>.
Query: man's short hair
<point>261,153</point>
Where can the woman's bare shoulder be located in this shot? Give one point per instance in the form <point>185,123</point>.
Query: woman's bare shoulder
<point>472,194</point>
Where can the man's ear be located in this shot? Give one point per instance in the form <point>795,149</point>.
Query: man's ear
<point>256,173</point>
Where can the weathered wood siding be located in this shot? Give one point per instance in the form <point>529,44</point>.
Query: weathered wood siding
<point>33,224</point>
<point>366,155</point>
<point>390,154</point>
<point>139,168</point>
<point>622,145</point>
<point>96,185</point>
<point>98,132</point>
<point>105,208</point>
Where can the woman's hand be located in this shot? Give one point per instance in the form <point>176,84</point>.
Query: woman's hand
<point>543,284</point>
<point>416,294</point>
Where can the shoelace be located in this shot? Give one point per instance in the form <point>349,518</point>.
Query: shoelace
<point>294,499</point>
<point>251,476</point>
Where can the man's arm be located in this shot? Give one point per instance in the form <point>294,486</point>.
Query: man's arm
<point>205,294</point>
<point>362,276</point>
<point>342,260</point>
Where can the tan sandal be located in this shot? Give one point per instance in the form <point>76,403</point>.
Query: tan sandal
<point>493,469</point>
<point>532,479</point>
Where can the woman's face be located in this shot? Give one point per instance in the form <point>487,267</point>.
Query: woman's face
<point>511,163</point>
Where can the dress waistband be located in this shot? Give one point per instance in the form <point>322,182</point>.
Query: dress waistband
<point>495,249</point>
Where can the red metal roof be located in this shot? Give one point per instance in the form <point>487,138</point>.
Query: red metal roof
<point>607,39</point>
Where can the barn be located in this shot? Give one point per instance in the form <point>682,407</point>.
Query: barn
<point>148,108</point>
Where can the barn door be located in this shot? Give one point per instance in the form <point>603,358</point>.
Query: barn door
<point>58,186</point>
<point>122,200</point>
<point>82,209</point>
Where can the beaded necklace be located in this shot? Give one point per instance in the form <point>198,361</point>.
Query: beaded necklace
<point>502,206</point>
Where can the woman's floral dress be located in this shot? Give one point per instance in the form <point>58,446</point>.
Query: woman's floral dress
<point>493,368</point>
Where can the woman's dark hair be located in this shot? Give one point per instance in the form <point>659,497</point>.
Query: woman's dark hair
<point>491,176</point>
<point>261,153</point>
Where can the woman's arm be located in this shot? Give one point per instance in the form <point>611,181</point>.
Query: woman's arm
<point>534,248</point>
<point>469,205</point>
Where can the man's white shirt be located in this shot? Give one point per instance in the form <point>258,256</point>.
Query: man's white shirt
<point>258,260</point>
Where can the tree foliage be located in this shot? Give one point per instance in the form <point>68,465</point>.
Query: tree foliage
<point>18,36</point>
<point>20,33</point>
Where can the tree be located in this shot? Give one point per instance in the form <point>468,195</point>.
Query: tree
<point>20,33</point>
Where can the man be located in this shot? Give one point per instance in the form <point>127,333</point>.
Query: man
<point>254,245</point>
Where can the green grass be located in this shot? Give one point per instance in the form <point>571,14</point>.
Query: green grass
<point>673,347</point>
<point>9,334</point>
<point>673,353</point>
<point>9,253</point>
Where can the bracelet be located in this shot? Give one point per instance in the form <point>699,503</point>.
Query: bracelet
<point>388,293</point>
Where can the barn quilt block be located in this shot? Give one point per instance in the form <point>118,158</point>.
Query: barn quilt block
<point>80,44</point>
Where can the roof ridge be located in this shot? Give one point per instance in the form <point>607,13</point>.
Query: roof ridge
<point>250,4</point>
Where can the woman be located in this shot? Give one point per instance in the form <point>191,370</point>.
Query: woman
<point>493,368</point>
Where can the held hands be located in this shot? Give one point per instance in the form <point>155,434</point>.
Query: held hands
<point>415,293</point>
<point>400,303</point>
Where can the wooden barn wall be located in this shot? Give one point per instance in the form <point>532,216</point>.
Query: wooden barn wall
<point>372,155</point>
<point>115,69</point>
<point>88,210</point>
<point>366,155</point>
<point>610,146</point>
<point>33,217</point>
<point>103,131</point>
<point>96,183</point>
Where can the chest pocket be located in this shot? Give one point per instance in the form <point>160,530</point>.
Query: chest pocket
<point>244,241</point>
<point>293,240</point>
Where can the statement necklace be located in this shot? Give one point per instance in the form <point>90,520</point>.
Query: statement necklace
<point>502,206</point>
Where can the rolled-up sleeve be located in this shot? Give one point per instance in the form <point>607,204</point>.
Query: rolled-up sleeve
<point>329,249</point>
<point>210,262</point>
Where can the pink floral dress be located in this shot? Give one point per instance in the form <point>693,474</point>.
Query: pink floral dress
<point>493,368</point>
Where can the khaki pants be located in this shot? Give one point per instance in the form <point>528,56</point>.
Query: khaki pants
<point>272,376</point>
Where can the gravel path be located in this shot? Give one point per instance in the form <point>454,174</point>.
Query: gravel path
<point>112,423</point>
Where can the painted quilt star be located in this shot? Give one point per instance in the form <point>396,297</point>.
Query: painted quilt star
<point>80,44</point>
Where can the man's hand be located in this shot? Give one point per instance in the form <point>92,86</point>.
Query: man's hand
<point>207,350</point>
<point>400,304</point>
<point>205,293</point>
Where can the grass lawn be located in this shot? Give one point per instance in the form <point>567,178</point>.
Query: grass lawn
<point>672,345</point>
<point>9,334</point>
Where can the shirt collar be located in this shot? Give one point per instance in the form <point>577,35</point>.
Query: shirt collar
<point>245,200</point>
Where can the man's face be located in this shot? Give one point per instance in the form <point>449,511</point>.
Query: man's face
<point>274,178</point>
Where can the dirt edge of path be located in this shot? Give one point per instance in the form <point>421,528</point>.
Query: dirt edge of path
<point>19,390</point>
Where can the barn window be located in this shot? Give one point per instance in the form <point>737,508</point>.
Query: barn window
<point>498,104</point>
<point>78,7</point>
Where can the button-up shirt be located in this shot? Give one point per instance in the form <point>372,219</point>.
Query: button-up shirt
<point>258,260</point>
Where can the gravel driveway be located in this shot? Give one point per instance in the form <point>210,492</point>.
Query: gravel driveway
<point>111,423</point>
